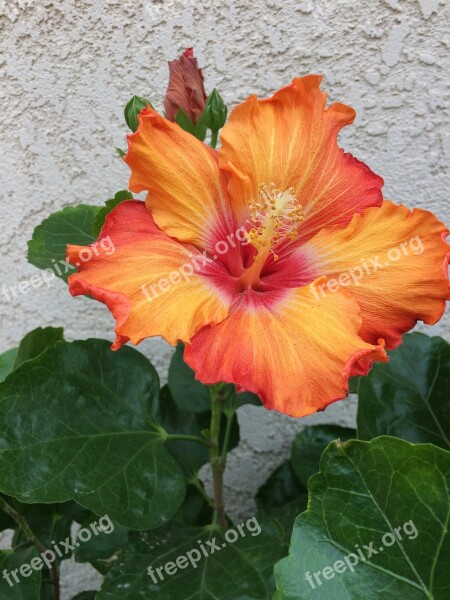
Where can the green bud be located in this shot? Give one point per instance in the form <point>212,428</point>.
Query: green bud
<point>132,109</point>
<point>215,111</point>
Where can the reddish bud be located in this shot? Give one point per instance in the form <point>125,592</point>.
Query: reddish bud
<point>185,89</point>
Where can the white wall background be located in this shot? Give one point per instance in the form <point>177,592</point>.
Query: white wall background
<point>69,66</point>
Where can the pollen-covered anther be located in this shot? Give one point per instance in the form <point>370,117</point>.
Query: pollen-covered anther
<point>274,215</point>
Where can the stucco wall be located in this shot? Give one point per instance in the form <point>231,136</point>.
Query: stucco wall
<point>68,67</point>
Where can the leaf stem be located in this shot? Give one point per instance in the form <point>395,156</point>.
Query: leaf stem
<point>31,537</point>
<point>215,458</point>
<point>226,441</point>
<point>178,437</point>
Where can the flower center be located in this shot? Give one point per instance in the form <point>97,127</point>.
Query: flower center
<point>274,216</point>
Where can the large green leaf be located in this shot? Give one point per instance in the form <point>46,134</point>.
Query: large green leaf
<point>36,341</point>
<point>76,423</point>
<point>33,343</point>
<point>7,360</point>
<point>71,225</point>
<point>387,495</point>
<point>234,571</point>
<point>28,587</point>
<point>409,396</point>
<point>309,444</point>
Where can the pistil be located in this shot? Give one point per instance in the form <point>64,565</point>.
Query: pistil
<point>274,216</point>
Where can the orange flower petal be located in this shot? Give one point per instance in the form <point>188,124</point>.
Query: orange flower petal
<point>290,140</point>
<point>130,257</point>
<point>187,192</point>
<point>292,350</point>
<point>393,262</point>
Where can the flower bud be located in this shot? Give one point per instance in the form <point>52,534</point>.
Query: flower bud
<point>215,113</point>
<point>185,89</point>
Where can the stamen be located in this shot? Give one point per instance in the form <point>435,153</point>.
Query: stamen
<point>275,216</point>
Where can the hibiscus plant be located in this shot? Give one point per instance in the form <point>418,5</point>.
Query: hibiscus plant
<point>284,280</point>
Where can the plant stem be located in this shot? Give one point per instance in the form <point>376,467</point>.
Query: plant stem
<point>226,441</point>
<point>188,438</point>
<point>215,458</point>
<point>31,537</point>
<point>214,136</point>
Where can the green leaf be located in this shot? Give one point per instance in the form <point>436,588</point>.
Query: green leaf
<point>353,384</point>
<point>199,130</point>
<point>120,152</point>
<point>76,423</point>
<point>283,497</point>
<point>101,550</point>
<point>78,513</point>
<point>235,571</point>
<point>109,205</point>
<point>132,110</point>
<point>36,341</point>
<point>28,588</point>
<point>86,596</point>
<point>7,360</point>
<point>188,393</point>
<point>192,395</point>
<point>387,494</point>
<point>281,487</point>
<point>49,522</point>
<point>47,248</point>
<point>195,509</point>
<point>185,122</point>
<point>309,445</point>
<point>6,522</point>
<point>237,400</point>
<point>408,397</point>
<point>32,344</point>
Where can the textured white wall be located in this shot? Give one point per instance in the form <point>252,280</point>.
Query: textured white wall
<point>69,66</point>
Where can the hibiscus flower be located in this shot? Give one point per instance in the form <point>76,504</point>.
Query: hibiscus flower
<point>274,259</point>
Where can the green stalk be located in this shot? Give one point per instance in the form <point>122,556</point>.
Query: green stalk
<point>178,437</point>
<point>214,136</point>
<point>215,458</point>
